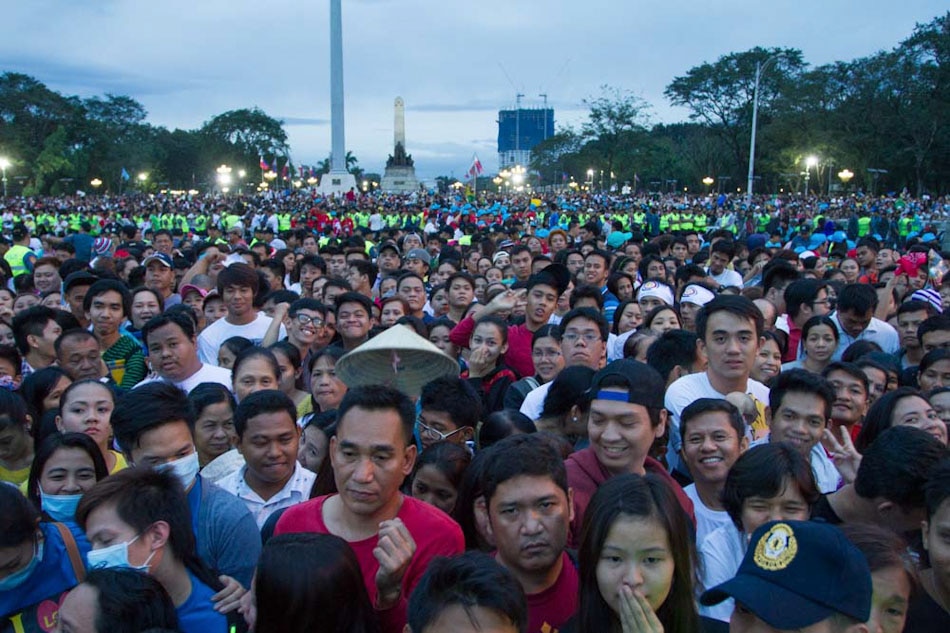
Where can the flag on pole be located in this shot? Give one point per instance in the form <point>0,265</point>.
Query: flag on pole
<point>476,168</point>
<point>264,164</point>
<point>125,175</point>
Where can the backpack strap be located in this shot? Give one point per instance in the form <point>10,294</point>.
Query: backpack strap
<point>75,558</point>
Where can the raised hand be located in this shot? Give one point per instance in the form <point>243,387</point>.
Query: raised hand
<point>845,456</point>
<point>636,614</point>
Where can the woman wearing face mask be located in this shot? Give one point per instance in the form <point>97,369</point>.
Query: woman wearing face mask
<point>139,519</point>
<point>39,561</point>
<point>66,466</point>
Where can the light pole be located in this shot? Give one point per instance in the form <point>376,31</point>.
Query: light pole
<point>142,178</point>
<point>759,68</point>
<point>590,180</point>
<point>845,175</point>
<point>96,183</point>
<point>224,178</point>
<point>708,181</point>
<point>810,161</point>
<point>4,163</point>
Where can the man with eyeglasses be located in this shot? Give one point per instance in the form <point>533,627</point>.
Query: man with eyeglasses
<point>584,333</point>
<point>449,411</point>
<point>804,299</point>
<point>305,322</point>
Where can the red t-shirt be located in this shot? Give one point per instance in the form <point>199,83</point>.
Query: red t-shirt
<point>550,609</point>
<point>434,532</point>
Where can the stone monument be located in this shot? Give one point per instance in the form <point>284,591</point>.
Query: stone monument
<point>400,175</point>
<point>338,180</point>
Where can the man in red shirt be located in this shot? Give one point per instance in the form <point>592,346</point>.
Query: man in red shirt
<point>544,287</point>
<point>529,513</point>
<point>393,536</point>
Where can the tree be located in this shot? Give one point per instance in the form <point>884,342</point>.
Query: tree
<point>615,126</point>
<point>246,135</point>
<point>553,157</point>
<point>720,94</point>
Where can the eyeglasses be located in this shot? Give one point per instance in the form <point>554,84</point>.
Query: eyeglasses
<point>829,302</point>
<point>306,319</point>
<point>589,337</point>
<point>434,434</point>
<point>539,353</point>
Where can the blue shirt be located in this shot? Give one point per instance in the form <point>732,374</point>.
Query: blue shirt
<point>197,614</point>
<point>53,576</point>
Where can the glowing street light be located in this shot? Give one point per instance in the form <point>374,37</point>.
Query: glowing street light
<point>590,179</point>
<point>708,181</point>
<point>810,161</point>
<point>96,183</point>
<point>845,175</point>
<point>223,177</point>
<point>4,163</point>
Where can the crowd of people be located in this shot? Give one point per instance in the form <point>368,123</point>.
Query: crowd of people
<point>564,413</point>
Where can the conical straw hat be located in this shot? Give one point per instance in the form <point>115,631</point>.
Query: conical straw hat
<point>398,358</point>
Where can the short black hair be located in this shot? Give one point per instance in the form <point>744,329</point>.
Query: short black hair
<point>30,322</point>
<point>265,401</point>
<point>937,488</point>
<point>777,272</point>
<point>306,304</point>
<point>712,405</point>
<point>857,298</point>
<point>454,396</point>
<point>314,261</point>
<point>129,601</point>
<point>736,305</point>
<point>801,291</point>
<point>109,285</point>
<point>586,291</point>
<point>470,580</point>
<point>587,313</point>
<point>932,324</point>
<point>915,305</point>
<point>180,319</point>
<point>725,247</point>
<point>355,297</point>
<point>148,407</point>
<point>377,398</point>
<point>672,349</point>
<point>764,471</point>
<point>801,381</point>
<point>522,455</point>
<point>897,465</point>
<point>851,369</point>
<point>76,333</point>
<point>238,274</point>
<point>364,267</point>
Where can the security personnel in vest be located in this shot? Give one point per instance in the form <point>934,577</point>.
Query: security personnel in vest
<point>20,257</point>
<point>864,224</point>
<point>686,219</point>
<point>700,221</point>
<point>201,224</point>
<point>283,221</point>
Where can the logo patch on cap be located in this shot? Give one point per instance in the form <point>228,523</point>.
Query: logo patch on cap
<point>777,548</point>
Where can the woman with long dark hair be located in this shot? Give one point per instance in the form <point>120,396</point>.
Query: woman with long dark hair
<point>637,560</point>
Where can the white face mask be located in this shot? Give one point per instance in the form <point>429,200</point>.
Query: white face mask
<point>116,557</point>
<point>185,469</point>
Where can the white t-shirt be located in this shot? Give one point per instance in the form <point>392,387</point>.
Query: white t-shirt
<point>533,403</point>
<point>207,373</point>
<point>721,553</point>
<point>727,278</point>
<point>707,520</point>
<point>827,477</point>
<point>210,340</point>
<point>690,388</point>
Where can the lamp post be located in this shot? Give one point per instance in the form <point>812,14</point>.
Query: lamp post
<point>96,183</point>
<point>590,179</point>
<point>4,163</point>
<point>708,181</point>
<point>759,68</point>
<point>845,175</point>
<point>810,162</point>
<point>223,177</point>
<point>143,178</point>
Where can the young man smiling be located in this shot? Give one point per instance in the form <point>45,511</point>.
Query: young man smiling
<point>713,437</point>
<point>107,304</point>
<point>237,285</point>
<point>626,418</point>
<point>173,353</point>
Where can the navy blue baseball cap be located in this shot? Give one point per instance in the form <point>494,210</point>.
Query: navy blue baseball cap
<point>642,384</point>
<point>798,573</point>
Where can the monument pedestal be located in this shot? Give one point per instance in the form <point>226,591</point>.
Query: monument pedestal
<point>400,179</point>
<point>336,183</point>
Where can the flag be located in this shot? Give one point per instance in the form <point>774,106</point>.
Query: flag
<point>283,173</point>
<point>476,167</point>
<point>125,174</point>
<point>264,164</point>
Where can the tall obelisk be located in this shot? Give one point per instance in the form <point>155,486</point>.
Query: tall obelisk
<point>339,180</point>
<point>400,175</point>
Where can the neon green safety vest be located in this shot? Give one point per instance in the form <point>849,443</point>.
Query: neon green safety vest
<point>864,226</point>
<point>16,257</point>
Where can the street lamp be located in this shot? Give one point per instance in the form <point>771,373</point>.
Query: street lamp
<point>96,183</point>
<point>223,177</point>
<point>142,177</point>
<point>590,179</point>
<point>759,68</point>
<point>311,181</point>
<point>845,175</point>
<point>4,163</point>
<point>708,181</point>
<point>810,162</point>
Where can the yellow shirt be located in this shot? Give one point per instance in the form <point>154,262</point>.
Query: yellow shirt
<point>120,463</point>
<point>15,477</point>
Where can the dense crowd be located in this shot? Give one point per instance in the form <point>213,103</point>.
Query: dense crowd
<point>537,413</point>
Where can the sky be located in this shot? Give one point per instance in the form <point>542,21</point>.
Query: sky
<point>454,63</point>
